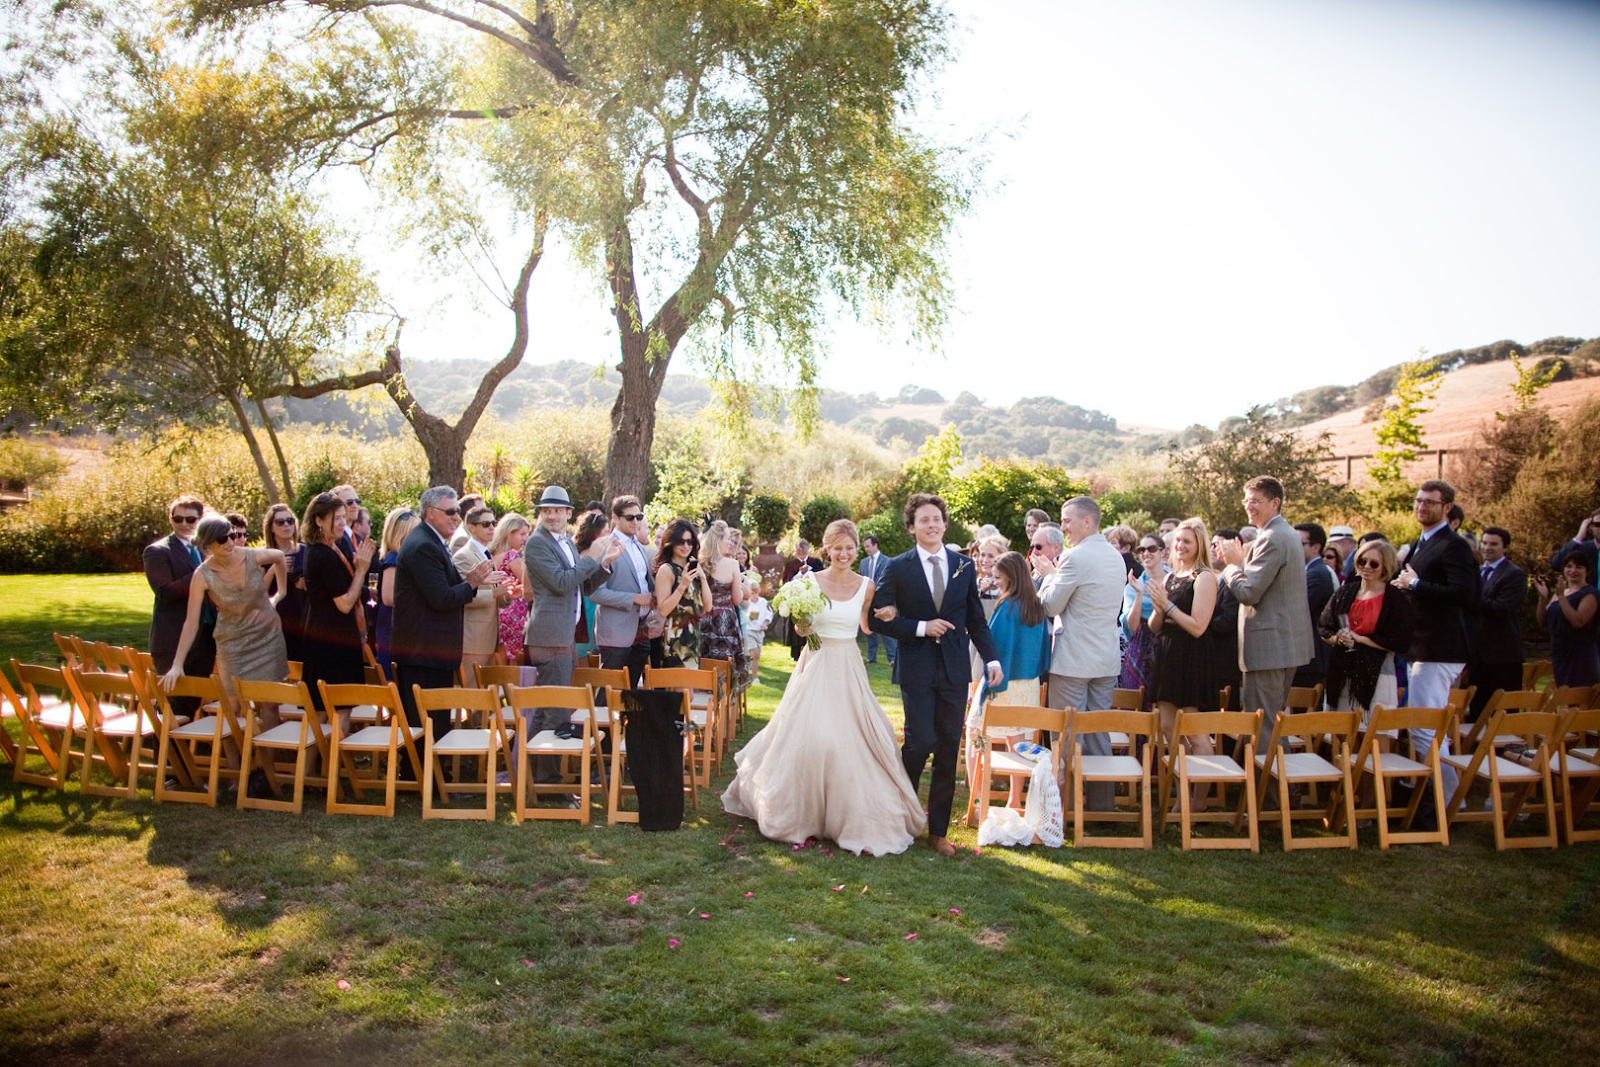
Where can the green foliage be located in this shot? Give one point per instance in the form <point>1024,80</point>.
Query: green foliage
<point>1002,491</point>
<point>817,513</point>
<point>890,530</point>
<point>1553,491</point>
<point>26,465</point>
<point>318,476</point>
<point>696,473</point>
<point>767,515</point>
<point>1530,382</point>
<point>1163,499</point>
<point>1399,431</point>
<point>1212,476</point>
<point>554,447</point>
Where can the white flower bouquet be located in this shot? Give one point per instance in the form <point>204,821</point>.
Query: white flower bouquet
<point>801,599</point>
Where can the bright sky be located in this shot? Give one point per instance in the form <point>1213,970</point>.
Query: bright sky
<point>1197,205</point>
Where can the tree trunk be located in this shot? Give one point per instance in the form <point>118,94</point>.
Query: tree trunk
<point>267,483</point>
<point>277,449</point>
<point>633,419</point>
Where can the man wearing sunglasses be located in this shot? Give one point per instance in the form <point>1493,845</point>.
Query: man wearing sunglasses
<point>623,601</point>
<point>168,565</point>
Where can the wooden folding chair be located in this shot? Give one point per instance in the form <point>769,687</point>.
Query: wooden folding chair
<point>1569,766</point>
<point>1187,770</point>
<point>1133,771</point>
<point>1293,757</point>
<point>1534,670</point>
<point>388,742</point>
<point>118,720</point>
<point>1123,700</point>
<point>616,784</point>
<point>995,759</point>
<point>1514,702</point>
<point>726,701</point>
<point>47,719</point>
<point>606,685</point>
<point>478,737</point>
<point>705,703</point>
<point>1535,732</point>
<point>1460,704</point>
<point>178,754</point>
<point>1565,698</point>
<point>302,735</point>
<point>576,698</point>
<point>1386,766</point>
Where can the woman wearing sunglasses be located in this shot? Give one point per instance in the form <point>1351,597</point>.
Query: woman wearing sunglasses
<point>1366,621</point>
<point>682,593</point>
<point>280,531</point>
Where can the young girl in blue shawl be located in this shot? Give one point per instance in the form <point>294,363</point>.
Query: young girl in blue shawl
<point>1022,645</point>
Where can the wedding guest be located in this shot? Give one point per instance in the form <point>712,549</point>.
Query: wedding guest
<point>1137,607</point>
<point>466,504</point>
<point>505,554</point>
<point>1588,534</point>
<point>280,531</point>
<point>1224,631</point>
<point>1183,679</point>
<point>1167,526</point>
<point>802,560</point>
<point>1366,623</point>
<point>1248,533</point>
<point>360,525</point>
<point>396,528</point>
<point>1032,520</point>
<point>757,616</point>
<point>719,623</point>
<point>346,495</point>
<point>873,564</point>
<point>1496,661</point>
<point>681,591</point>
<point>1021,636</point>
<point>591,526</point>
<point>334,584</point>
<point>480,617</point>
<point>623,601</point>
<point>238,528</point>
<point>1125,540</point>
<point>1320,584</point>
<point>1570,617</point>
<point>988,553</point>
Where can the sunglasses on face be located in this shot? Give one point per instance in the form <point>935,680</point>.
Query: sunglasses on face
<point>485,524</point>
<point>1369,563</point>
<point>449,511</point>
<point>283,520</point>
<point>238,535</point>
<point>186,520</point>
<point>631,518</point>
<point>1149,548</point>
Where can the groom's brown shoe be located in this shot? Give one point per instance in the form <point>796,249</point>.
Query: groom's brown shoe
<point>941,845</point>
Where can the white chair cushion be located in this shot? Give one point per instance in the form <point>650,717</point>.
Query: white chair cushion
<point>203,728</point>
<point>1211,767</point>
<point>1578,768</point>
<point>1009,763</point>
<point>547,741</point>
<point>1120,768</point>
<point>128,724</point>
<point>61,717</point>
<point>1303,766</point>
<point>463,741</point>
<point>1117,739</point>
<point>1590,754</point>
<point>375,737</point>
<point>1394,764</point>
<point>602,717</point>
<point>286,735</point>
<point>1512,771</point>
<point>364,713</point>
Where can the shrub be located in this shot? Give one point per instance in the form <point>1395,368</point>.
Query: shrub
<point>28,465</point>
<point>817,513</point>
<point>1553,492</point>
<point>889,528</point>
<point>767,515</point>
<point>1002,491</point>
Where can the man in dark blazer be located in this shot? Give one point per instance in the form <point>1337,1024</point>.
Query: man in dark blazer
<point>1496,628</point>
<point>429,596</point>
<point>168,566</point>
<point>1441,575</point>
<point>873,564</point>
<point>803,560</point>
<point>934,592</point>
<point>1319,590</point>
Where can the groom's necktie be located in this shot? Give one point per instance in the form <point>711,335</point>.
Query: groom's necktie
<point>938,582</point>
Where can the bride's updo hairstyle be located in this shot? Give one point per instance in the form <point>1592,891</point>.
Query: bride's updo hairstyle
<point>839,531</point>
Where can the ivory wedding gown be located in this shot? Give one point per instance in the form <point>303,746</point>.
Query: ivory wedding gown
<point>827,765</point>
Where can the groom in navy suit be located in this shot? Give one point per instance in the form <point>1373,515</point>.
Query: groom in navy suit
<point>934,592</point>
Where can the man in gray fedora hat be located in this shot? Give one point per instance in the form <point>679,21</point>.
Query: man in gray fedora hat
<point>558,575</point>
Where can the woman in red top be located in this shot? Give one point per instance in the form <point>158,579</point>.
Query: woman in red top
<point>1366,621</point>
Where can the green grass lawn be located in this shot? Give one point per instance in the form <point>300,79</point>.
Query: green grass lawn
<point>143,934</point>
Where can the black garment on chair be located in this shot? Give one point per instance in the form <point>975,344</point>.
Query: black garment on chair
<point>653,726</point>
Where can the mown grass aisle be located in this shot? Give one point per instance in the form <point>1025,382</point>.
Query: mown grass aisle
<point>145,934</point>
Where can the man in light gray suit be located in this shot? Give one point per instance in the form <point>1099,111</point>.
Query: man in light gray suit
<point>1269,580</point>
<point>1082,591</point>
<point>623,601</point>
<point>557,576</point>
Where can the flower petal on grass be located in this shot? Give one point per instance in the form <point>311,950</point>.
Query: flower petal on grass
<point>633,898</point>
<point>911,937</point>
<point>838,889</point>
<point>749,895</point>
<point>705,915</point>
<point>673,942</point>
<point>955,911</point>
<point>840,978</point>
<point>343,984</point>
<point>527,963</point>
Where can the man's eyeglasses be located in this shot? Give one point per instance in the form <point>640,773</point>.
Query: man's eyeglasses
<point>631,518</point>
<point>449,511</point>
<point>1431,503</point>
<point>187,520</point>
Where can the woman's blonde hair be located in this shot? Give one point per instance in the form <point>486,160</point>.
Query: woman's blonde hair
<point>838,530</point>
<point>994,540</point>
<point>711,544</point>
<point>1386,553</point>
<point>397,526</point>
<point>1196,526</point>
<point>509,524</point>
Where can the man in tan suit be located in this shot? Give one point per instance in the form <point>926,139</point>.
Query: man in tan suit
<point>480,619</point>
<point>1269,580</point>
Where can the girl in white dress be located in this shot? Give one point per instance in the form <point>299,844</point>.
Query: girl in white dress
<point>828,764</point>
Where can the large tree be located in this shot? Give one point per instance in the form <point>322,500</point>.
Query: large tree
<point>735,171</point>
<point>165,266</point>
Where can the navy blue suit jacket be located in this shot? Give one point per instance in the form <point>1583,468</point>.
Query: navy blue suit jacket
<point>905,586</point>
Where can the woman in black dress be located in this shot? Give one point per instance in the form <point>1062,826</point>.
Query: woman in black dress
<point>335,582</point>
<point>281,530</point>
<point>1184,679</point>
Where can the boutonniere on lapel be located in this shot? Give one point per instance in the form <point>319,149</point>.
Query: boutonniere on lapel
<point>962,567</point>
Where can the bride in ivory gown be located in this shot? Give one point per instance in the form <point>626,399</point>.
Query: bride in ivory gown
<point>827,765</point>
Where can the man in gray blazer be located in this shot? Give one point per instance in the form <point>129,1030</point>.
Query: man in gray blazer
<point>1082,591</point>
<point>624,599</point>
<point>557,577</point>
<point>1269,580</point>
